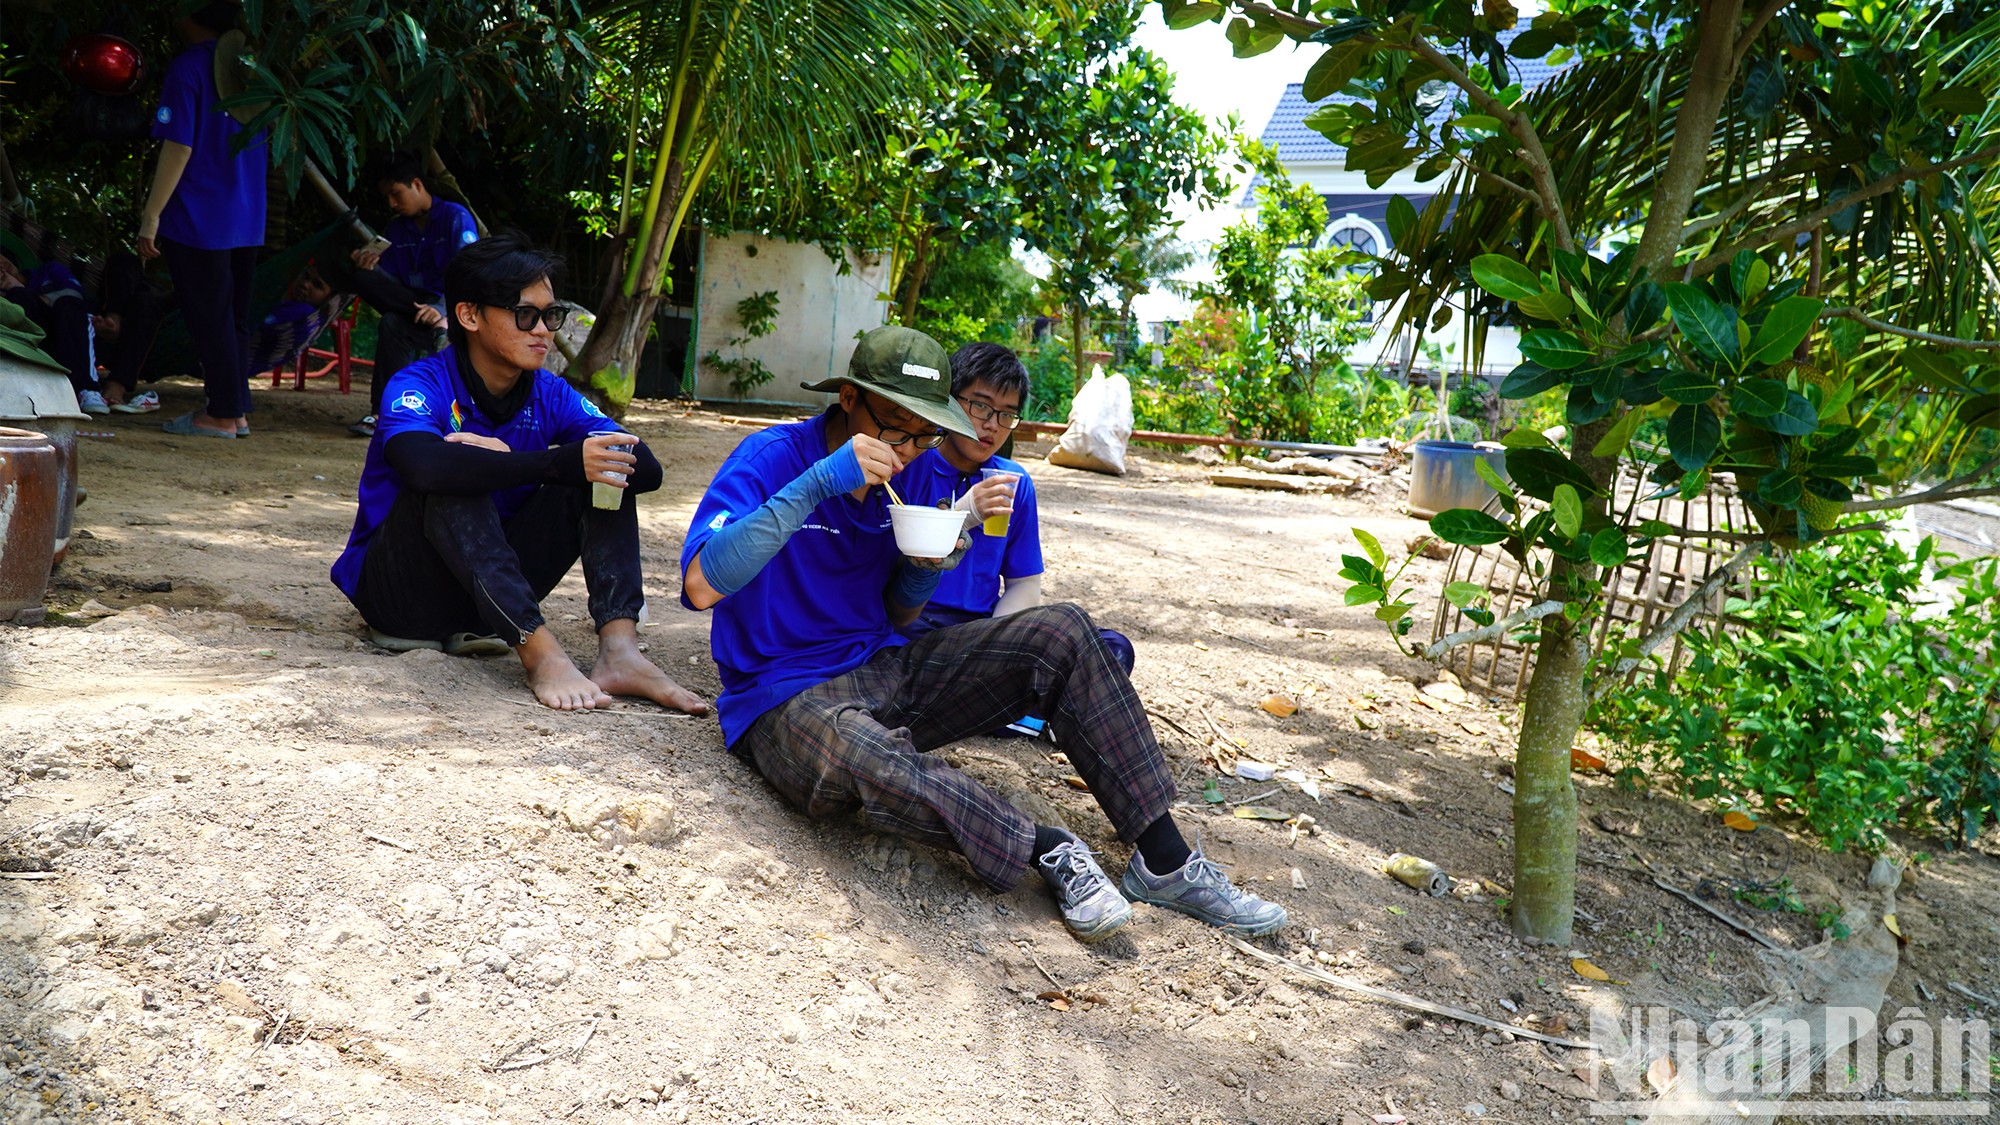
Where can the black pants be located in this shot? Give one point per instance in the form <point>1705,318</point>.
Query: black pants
<point>213,287</point>
<point>140,305</point>
<point>399,339</point>
<point>65,334</point>
<point>441,565</point>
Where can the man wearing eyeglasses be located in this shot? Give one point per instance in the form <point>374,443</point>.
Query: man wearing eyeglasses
<point>792,548</point>
<point>475,498</point>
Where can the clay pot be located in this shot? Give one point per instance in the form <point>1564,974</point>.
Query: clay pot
<point>30,505</point>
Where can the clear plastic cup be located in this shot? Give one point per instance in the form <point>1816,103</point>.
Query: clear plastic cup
<point>996,526</point>
<point>610,496</point>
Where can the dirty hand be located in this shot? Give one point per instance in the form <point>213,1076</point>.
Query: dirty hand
<point>994,496</point>
<point>479,441</point>
<point>428,316</point>
<point>947,562</point>
<point>366,258</point>
<point>604,465</point>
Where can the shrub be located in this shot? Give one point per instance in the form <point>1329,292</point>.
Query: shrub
<point>1860,694</point>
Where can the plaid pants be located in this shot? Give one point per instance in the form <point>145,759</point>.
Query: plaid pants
<point>862,740</point>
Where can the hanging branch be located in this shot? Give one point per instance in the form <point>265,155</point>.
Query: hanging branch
<point>1437,648</point>
<point>1934,495</point>
<point>1702,267</point>
<point>1748,39</point>
<point>1960,342</point>
<point>1678,620</point>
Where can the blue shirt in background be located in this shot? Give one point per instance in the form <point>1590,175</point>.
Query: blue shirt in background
<point>973,586</point>
<point>219,202</point>
<point>815,611</point>
<point>428,397</point>
<point>417,256</point>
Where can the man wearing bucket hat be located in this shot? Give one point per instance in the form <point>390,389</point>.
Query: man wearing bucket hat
<point>793,549</point>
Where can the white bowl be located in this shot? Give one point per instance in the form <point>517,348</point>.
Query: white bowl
<point>926,533</point>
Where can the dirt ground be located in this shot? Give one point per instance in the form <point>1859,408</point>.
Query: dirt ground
<point>255,871</point>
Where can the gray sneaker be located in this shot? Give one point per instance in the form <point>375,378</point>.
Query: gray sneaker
<point>1091,907</point>
<point>1200,890</point>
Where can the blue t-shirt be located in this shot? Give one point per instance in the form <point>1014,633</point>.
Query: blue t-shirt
<point>417,257</point>
<point>219,202</point>
<point>815,611</point>
<point>974,584</point>
<point>427,397</point>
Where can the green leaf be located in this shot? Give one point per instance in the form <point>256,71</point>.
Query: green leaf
<point>1758,398</point>
<point>1653,529</point>
<point>1505,278</point>
<point>1341,32</point>
<point>1568,511</point>
<point>1547,306</point>
<point>1643,307</point>
<point>1358,595</point>
<point>1694,484</point>
<point>1687,387</point>
<point>1955,101</point>
<point>1392,612</point>
<point>1784,327</point>
<point>1554,349</point>
<point>1462,594</point>
<point>1781,489</point>
<point>1931,365</point>
<point>1335,68</point>
<point>1583,407</point>
<point>1980,412</point>
<point>1532,43</point>
<point>1402,216</point>
<point>1608,548</point>
<point>1796,419</point>
<point>1525,437</point>
<point>1537,471</point>
<point>1485,471</point>
<point>1371,545</point>
<point>1248,40</point>
<point>1613,443</point>
<point>1187,15</point>
<point>1709,327</point>
<point>1529,380</point>
<point>1693,432</point>
<point>1742,270</point>
<point>1468,527</point>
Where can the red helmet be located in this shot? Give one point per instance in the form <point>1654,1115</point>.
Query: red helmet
<point>105,64</point>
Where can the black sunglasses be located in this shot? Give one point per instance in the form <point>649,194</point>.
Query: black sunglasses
<point>525,316</point>
<point>929,439</point>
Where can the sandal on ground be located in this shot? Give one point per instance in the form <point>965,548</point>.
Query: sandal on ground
<point>365,427</point>
<point>185,427</point>
<point>476,644</point>
<point>144,403</point>
<point>243,429</point>
<point>388,643</point>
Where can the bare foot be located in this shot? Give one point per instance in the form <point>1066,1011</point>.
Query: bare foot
<point>553,678</point>
<point>622,669</point>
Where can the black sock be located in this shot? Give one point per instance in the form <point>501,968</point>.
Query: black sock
<point>1047,839</point>
<point>1162,846</point>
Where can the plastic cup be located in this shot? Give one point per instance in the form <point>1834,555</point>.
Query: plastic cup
<point>609,496</point>
<point>926,533</point>
<point>996,526</point>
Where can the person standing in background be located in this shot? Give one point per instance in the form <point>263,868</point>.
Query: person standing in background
<point>205,216</point>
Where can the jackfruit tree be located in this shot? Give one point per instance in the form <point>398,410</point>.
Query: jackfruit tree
<point>1751,238</point>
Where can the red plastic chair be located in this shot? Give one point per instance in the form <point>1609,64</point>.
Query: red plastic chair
<point>341,360</point>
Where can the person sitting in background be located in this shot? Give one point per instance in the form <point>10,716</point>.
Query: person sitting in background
<point>404,282</point>
<point>53,299</point>
<point>1002,573</point>
<point>475,497</point>
<point>132,308</point>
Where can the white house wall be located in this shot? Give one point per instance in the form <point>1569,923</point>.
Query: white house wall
<point>820,313</point>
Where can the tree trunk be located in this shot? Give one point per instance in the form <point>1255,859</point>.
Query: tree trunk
<point>913,279</point>
<point>1076,341</point>
<point>607,366</point>
<point>1544,902</point>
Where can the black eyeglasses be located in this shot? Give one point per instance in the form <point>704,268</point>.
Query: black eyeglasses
<point>525,316</point>
<point>981,412</point>
<point>929,439</point>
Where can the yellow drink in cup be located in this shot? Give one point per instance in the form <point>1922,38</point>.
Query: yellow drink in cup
<point>610,497</point>
<point>996,526</point>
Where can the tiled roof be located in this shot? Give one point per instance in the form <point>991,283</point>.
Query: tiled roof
<point>1297,144</point>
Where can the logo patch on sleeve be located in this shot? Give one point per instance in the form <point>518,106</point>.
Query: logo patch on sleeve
<point>164,115</point>
<point>413,402</point>
<point>591,409</point>
<point>720,519</point>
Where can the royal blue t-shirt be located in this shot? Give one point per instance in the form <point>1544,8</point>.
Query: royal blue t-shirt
<point>974,584</point>
<point>417,257</point>
<point>219,202</point>
<point>815,611</point>
<point>427,397</point>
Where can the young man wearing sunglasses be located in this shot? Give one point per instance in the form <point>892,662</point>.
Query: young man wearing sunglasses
<point>792,548</point>
<point>475,498</point>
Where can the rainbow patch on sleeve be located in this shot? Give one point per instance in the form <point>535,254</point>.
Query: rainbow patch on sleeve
<point>457,417</point>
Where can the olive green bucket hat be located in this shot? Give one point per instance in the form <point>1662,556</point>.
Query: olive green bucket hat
<point>909,369</point>
<point>21,338</point>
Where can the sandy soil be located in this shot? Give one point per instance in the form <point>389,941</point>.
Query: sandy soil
<point>256,871</point>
